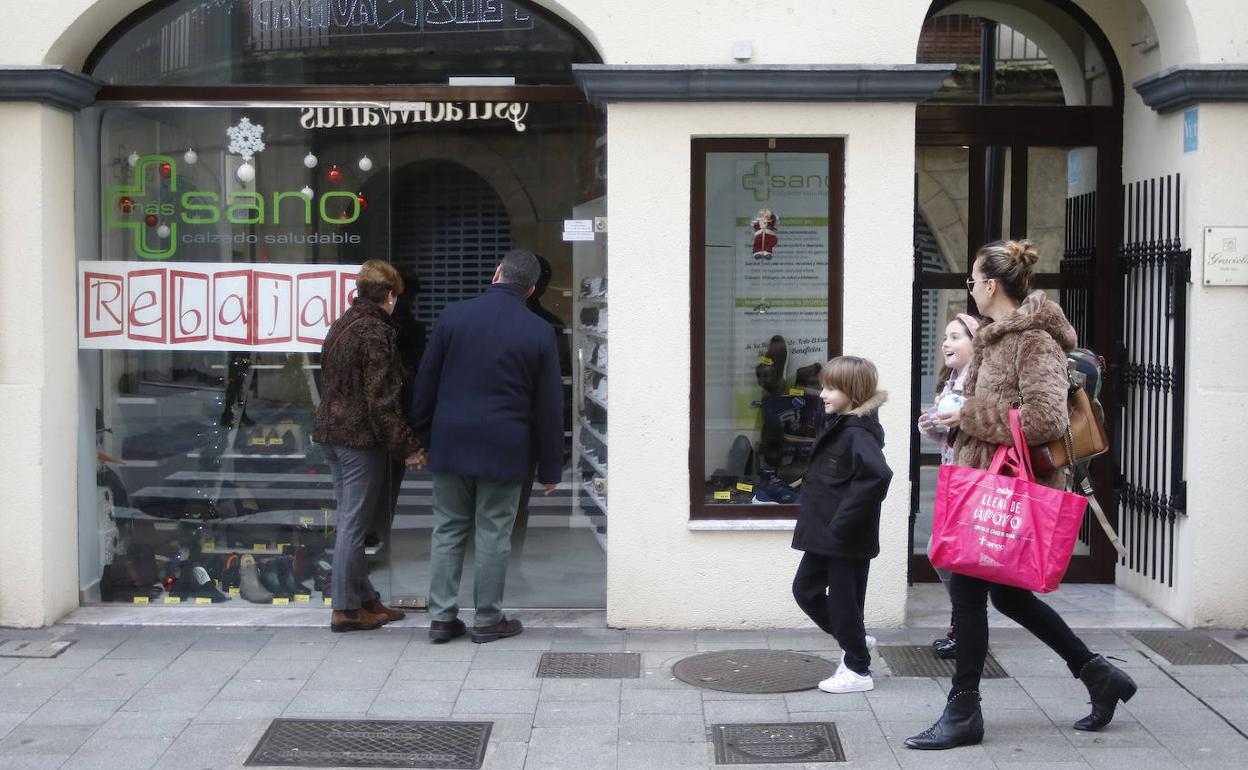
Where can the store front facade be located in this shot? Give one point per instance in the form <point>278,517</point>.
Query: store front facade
<point>230,163</point>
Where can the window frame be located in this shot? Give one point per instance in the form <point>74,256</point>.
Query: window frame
<point>834,148</point>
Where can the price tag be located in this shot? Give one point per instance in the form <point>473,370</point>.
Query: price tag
<point>303,597</point>
<point>173,600</point>
<point>142,600</point>
<point>745,487</point>
<point>765,360</point>
<point>280,600</point>
<point>281,547</point>
<point>260,547</point>
<point>797,391</point>
<point>724,495</point>
<point>307,520</point>
<point>235,592</point>
<point>328,602</point>
<point>203,600</point>
<point>209,546</point>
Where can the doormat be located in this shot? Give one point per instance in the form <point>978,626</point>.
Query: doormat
<point>371,743</point>
<point>918,660</point>
<point>754,671</point>
<point>1185,648</point>
<point>32,648</point>
<point>589,665</point>
<point>777,744</point>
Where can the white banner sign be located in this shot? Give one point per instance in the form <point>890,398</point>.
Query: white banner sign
<point>210,306</point>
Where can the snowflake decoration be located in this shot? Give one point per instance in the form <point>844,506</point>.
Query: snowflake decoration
<point>245,138</point>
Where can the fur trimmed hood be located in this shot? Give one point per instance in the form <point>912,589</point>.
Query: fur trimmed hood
<point>871,405</point>
<point>1037,312</point>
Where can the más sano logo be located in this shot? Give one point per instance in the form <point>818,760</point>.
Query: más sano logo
<point>157,214</point>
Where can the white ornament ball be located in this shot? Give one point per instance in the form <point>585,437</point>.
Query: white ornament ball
<point>949,403</point>
<point>309,160</point>
<point>246,172</point>
<point>133,159</point>
<point>163,231</point>
<point>191,157</point>
<point>366,163</point>
<point>307,191</point>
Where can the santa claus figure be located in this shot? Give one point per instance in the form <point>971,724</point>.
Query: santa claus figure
<point>765,238</point>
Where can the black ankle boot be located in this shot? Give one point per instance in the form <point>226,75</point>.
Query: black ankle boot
<point>1107,684</point>
<point>962,724</point>
<point>945,649</point>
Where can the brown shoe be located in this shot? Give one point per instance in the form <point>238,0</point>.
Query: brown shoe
<point>441,631</point>
<point>363,621</point>
<point>500,630</point>
<point>389,613</point>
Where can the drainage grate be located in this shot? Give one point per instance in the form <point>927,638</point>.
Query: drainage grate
<point>917,660</point>
<point>589,665</point>
<point>31,648</point>
<point>1184,648</point>
<point>754,671</point>
<point>776,744</point>
<point>371,743</point>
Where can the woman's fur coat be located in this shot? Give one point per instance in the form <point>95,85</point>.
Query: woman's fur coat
<point>1025,351</point>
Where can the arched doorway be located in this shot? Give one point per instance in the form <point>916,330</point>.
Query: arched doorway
<point>1023,140</point>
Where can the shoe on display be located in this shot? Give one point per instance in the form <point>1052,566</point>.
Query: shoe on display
<point>249,581</point>
<point>354,620</point>
<point>289,582</point>
<point>777,494</point>
<point>323,577</point>
<point>807,378</point>
<point>846,680</point>
<point>500,630</point>
<point>204,588</point>
<point>771,366</point>
<point>442,631</point>
<point>741,457</point>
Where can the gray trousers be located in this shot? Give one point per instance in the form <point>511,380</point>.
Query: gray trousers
<point>460,505</point>
<point>361,488</point>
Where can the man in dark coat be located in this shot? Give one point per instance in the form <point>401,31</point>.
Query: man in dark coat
<point>488,403</point>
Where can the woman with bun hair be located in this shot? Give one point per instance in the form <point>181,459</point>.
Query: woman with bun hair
<point>1019,362</point>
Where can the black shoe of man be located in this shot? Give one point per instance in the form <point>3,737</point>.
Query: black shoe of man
<point>500,630</point>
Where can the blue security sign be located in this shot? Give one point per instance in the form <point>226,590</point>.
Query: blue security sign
<point>1191,139</point>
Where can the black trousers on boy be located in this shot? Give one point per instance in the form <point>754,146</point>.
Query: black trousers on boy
<point>970,611</point>
<point>833,593</point>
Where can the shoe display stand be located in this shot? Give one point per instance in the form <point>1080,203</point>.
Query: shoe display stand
<point>589,382</point>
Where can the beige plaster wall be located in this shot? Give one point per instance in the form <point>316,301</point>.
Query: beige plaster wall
<point>660,573</point>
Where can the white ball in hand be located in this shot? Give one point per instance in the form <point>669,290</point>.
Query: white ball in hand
<point>951,402</point>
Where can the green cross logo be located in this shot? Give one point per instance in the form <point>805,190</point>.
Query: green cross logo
<point>757,181</point>
<point>147,165</point>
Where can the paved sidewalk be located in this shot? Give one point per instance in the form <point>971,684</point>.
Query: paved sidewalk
<point>201,697</point>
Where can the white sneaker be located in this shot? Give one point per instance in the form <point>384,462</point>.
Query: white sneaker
<point>846,680</point>
<point>871,644</point>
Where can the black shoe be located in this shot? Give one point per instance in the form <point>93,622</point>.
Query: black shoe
<point>290,584</point>
<point>271,578</point>
<point>962,724</point>
<point>770,370</point>
<point>500,630</point>
<point>441,631</point>
<point>1107,684</point>
<point>945,649</point>
<point>204,588</point>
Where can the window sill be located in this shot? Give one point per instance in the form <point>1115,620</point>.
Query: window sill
<point>742,525</point>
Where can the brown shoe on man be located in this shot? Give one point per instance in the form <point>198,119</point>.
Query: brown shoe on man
<point>441,631</point>
<point>389,613</point>
<point>500,630</point>
<point>364,620</point>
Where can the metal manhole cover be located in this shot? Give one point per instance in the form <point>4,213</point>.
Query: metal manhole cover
<point>1184,648</point>
<point>589,665</point>
<point>783,743</point>
<point>754,671</point>
<point>917,660</point>
<point>371,743</point>
<point>32,648</point>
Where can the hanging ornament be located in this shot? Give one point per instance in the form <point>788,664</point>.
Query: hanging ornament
<point>307,191</point>
<point>363,203</point>
<point>191,157</point>
<point>151,220</point>
<point>133,160</point>
<point>166,169</point>
<point>309,160</point>
<point>163,231</point>
<point>366,163</point>
<point>126,203</point>
<point>334,175</point>
<point>246,172</point>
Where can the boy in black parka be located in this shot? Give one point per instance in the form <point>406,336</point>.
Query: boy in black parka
<point>839,523</point>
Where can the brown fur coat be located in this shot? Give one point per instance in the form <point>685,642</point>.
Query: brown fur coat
<point>1022,351</point>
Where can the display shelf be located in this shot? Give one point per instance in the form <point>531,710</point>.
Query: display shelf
<point>599,500</point>
<point>596,369</point>
<point>138,463</point>
<point>256,456</point>
<point>593,463</point>
<point>135,400</point>
<point>591,430</point>
<point>595,400</point>
<point>592,333</point>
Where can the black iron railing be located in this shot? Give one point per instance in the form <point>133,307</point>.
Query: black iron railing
<point>1078,252</point>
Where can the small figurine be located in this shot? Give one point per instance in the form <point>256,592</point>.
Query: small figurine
<point>765,238</point>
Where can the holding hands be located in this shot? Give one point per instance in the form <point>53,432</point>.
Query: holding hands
<point>417,460</point>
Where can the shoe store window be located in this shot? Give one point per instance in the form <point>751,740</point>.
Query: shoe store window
<point>767,273</point>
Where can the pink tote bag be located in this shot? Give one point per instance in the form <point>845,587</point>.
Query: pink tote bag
<point>1003,527</point>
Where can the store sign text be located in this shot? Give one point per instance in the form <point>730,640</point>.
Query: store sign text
<point>365,16</point>
<point>421,112</point>
<point>211,306</point>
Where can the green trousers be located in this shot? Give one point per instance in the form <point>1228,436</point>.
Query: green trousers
<point>460,505</point>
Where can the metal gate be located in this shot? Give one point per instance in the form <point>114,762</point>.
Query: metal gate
<point>1156,270</point>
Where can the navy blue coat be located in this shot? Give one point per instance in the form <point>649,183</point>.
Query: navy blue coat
<point>488,399</point>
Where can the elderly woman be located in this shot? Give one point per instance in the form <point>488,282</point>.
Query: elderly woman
<point>360,427</point>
